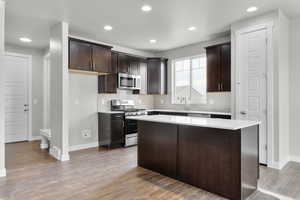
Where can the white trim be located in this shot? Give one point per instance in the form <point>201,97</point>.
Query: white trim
<point>83,146</point>
<point>2,172</point>
<point>65,92</point>
<point>46,88</point>
<point>295,159</point>
<point>58,155</point>
<point>35,138</point>
<point>270,84</point>
<point>276,195</point>
<point>2,116</point>
<point>29,75</point>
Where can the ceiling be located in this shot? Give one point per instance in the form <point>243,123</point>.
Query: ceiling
<point>167,22</point>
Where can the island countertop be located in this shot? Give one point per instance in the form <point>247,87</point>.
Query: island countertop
<point>197,121</point>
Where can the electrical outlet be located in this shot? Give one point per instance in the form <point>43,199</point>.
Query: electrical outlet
<point>162,101</point>
<point>140,101</point>
<point>87,133</point>
<point>102,102</point>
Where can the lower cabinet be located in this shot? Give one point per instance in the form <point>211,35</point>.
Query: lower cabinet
<point>111,129</point>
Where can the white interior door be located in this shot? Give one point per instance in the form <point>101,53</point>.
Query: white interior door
<point>252,83</point>
<point>16,98</point>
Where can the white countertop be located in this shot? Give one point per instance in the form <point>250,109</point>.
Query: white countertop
<point>112,112</point>
<point>190,112</point>
<point>197,121</point>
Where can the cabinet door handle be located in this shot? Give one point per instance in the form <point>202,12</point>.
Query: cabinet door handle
<point>221,86</point>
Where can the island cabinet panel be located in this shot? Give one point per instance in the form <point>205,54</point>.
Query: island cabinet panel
<point>210,159</point>
<point>157,149</point>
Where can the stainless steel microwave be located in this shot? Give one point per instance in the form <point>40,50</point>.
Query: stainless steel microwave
<point>129,81</point>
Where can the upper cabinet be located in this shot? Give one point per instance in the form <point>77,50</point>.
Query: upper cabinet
<point>80,55</point>
<point>128,64</point>
<point>89,57</point>
<point>157,76</point>
<point>123,63</point>
<point>101,59</point>
<point>219,68</point>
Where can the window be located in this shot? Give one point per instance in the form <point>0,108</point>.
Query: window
<point>189,80</point>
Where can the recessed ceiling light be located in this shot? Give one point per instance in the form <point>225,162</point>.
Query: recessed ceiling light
<point>252,9</point>
<point>192,28</point>
<point>146,8</point>
<point>108,27</point>
<point>25,39</point>
<point>152,41</point>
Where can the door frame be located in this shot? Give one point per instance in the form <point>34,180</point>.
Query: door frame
<point>270,84</point>
<point>46,88</point>
<point>29,75</point>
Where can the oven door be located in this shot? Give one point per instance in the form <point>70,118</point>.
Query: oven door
<point>130,126</point>
<point>126,81</point>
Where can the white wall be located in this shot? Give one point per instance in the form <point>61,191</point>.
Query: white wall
<point>216,101</point>
<point>59,92</point>
<point>2,129</point>
<point>295,90</point>
<point>83,115</point>
<point>37,84</point>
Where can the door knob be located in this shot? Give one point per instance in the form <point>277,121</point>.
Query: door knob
<point>243,113</point>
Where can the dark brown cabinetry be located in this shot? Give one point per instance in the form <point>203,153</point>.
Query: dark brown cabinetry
<point>111,129</point>
<point>114,62</point>
<point>157,76</point>
<point>80,55</point>
<point>123,63</point>
<point>101,59</point>
<point>89,57</point>
<point>128,64</point>
<point>162,147</point>
<point>107,83</point>
<point>221,161</point>
<point>219,68</point>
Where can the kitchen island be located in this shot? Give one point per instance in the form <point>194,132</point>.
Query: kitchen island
<point>217,155</point>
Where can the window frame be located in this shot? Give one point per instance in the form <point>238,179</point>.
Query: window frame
<point>173,94</point>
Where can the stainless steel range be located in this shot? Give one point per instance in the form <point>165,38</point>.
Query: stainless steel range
<point>130,126</point>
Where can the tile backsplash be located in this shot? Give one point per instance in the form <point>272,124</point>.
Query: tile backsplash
<point>141,101</point>
<point>219,102</point>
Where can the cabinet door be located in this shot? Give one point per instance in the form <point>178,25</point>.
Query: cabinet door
<point>123,63</point>
<point>153,73</point>
<point>101,59</point>
<point>80,55</point>
<point>114,62</point>
<point>213,69</point>
<point>117,129</point>
<point>226,67</point>
<point>134,66</point>
<point>107,83</point>
<point>157,76</point>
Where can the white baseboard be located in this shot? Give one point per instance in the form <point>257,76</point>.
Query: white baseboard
<point>56,153</point>
<point>295,159</point>
<point>44,146</point>
<point>83,146</point>
<point>282,164</point>
<point>34,138</point>
<point>2,172</point>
